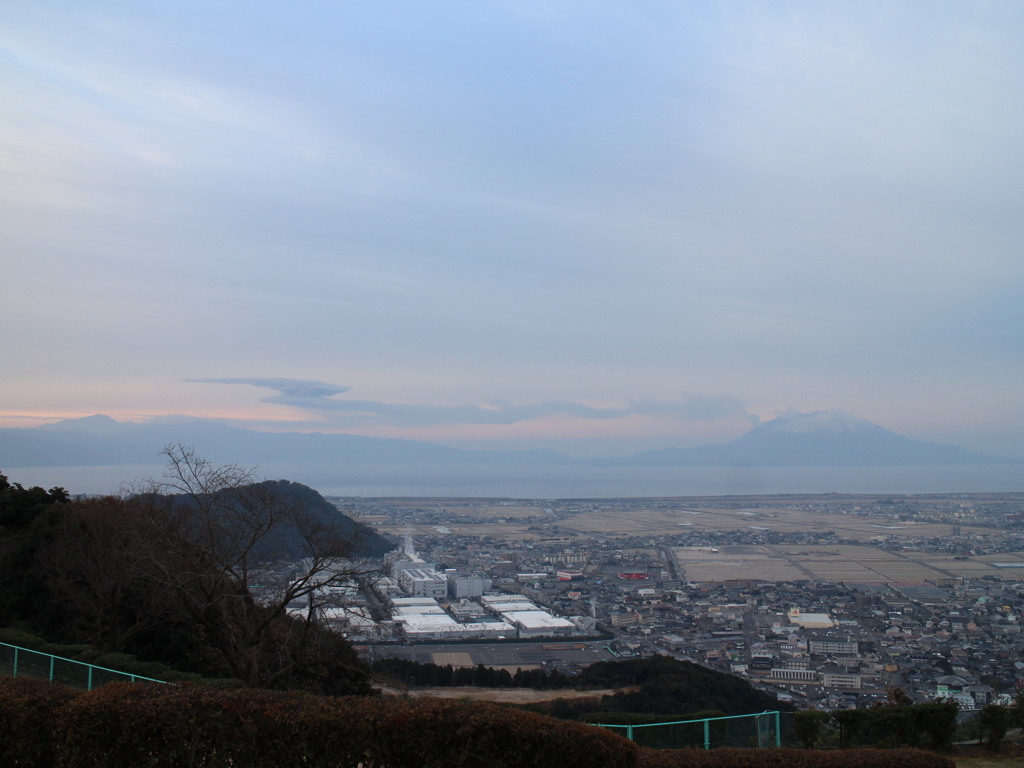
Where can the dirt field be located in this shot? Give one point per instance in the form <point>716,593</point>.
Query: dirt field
<point>847,563</point>
<point>454,658</point>
<point>506,695</point>
<point>735,562</point>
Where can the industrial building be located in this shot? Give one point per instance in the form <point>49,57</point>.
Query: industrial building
<point>529,620</point>
<point>460,586</point>
<point>422,619</point>
<point>423,582</point>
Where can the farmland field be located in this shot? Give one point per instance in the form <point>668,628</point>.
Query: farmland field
<point>858,519</point>
<point>646,517</point>
<point>852,564</point>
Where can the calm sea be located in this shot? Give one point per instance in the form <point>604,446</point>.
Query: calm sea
<point>547,482</point>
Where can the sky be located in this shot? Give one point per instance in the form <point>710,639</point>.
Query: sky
<point>589,226</point>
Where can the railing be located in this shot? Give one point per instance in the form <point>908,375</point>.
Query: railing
<point>759,730</point>
<point>16,661</point>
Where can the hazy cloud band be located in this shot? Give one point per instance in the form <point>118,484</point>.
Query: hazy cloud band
<point>318,397</point>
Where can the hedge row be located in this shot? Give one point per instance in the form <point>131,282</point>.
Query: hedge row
<point>124,725</point>
<point>27,711</point>
<point>791,758</point>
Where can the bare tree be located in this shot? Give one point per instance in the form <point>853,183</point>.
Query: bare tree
<point>214,532</point>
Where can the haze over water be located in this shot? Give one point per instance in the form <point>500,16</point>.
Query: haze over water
<point>541,482</point>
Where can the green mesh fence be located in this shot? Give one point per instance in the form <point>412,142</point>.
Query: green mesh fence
<point>22,662</point>
<point>760,730</point>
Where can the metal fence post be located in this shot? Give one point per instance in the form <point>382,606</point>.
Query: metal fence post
<point>731,730</point>
<point>35,670</point>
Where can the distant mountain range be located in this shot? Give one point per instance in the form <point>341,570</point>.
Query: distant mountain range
<point>102,441</point>
<point>820,439</point>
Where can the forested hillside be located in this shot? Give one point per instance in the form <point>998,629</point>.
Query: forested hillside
<point>182,572</point>
<point>663,685</point>
<point>657,686</point>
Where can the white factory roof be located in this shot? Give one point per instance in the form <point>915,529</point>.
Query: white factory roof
<point>353,617</point>
<point>418,610</point>
<point>512,607</point>
<point>489,599</point>
<point>403,601</point>
<point>537,620</point>
<point>489,626</point>
<point>811,620</point>
<point>421,574</point>
<point>427,623</point>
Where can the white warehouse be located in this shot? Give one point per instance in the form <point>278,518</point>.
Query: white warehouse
<point>423,582</point>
